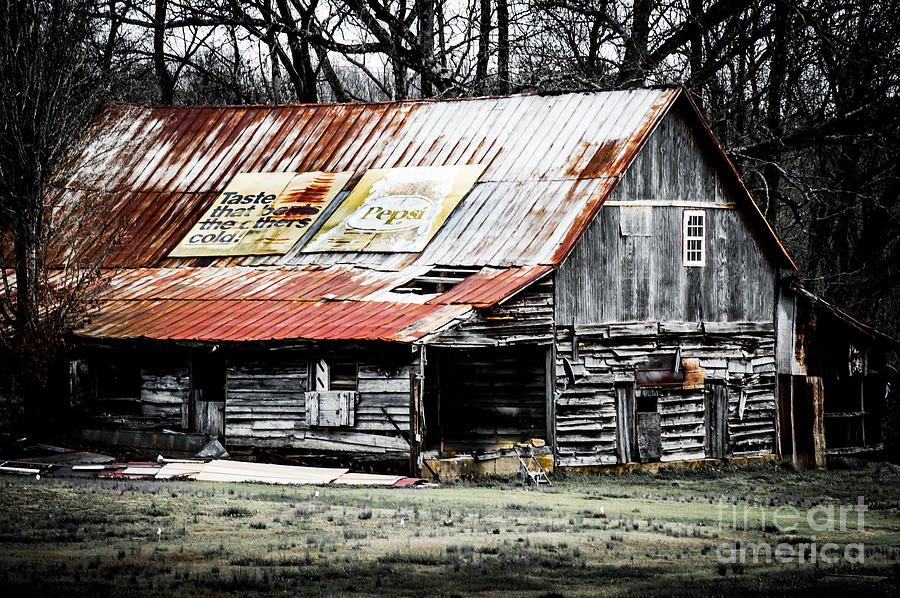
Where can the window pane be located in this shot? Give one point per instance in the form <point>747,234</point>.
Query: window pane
<point>693,242</point>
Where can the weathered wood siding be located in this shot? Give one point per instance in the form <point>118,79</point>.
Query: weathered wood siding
<point>158,400</point>
<point>670,166</point>
<point>265,404</point>
<point>741,355</point>
<point>525,318</point>
<point>164,396</point>
<point>628,265</point>
<point>264,400</point>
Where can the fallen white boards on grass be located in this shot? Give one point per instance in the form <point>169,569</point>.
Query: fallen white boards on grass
<point>223,470</point>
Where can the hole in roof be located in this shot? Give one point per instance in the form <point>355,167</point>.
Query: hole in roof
<point>439,279</point>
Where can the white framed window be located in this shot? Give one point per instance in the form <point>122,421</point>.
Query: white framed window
<point>694,238</point>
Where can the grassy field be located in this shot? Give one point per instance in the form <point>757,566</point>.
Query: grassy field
<point>640,535</point>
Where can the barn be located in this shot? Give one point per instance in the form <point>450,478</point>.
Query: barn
<point>432,281</point>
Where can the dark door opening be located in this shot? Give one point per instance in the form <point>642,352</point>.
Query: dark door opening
<point>649,432</point>
<point>785,417</point>
<point>484,398</point>
<point>802,410</point>
<point>206,406</point>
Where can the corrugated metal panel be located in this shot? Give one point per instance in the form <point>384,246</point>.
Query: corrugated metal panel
<point>550,163</point>
<point>245,303</point>
<point>310,283</point>
<point>550,160</point>
<point>223,321</point>
<point>491,286</point>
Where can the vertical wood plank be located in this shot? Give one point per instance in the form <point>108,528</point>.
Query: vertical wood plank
<point>625,426</point>
<point>415,389</point>
<point>550,394</point>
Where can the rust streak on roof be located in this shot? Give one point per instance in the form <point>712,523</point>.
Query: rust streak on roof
<point>246,303</point>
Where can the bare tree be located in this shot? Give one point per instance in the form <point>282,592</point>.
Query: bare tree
<point>57,91</point>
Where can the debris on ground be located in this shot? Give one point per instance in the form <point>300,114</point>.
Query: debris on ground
<point>205,466</point>
<point>212,450</point>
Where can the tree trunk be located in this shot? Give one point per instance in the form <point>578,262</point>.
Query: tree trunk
<point>484,46</point>
<point>110,46</point>
<point>269,38</point>
<point>503,85</point>
<point>300,70</point>
<point>777,73</point>
<point>696,48</point>
<point>331,77</point>
<point>163,77</point>
<point>397,67</point>
<point>631,74</point>
<point>425,15</point>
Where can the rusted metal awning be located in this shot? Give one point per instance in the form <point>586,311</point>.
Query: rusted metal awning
<point>269,320</point>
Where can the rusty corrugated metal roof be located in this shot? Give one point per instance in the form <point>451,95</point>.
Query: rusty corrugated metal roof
<point>242,303</point>
<point>550,160</point>
<point>264,320</point>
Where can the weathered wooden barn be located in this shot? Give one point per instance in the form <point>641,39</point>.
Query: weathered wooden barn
<point>604,282</point>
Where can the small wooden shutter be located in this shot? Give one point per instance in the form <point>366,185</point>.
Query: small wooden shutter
<point>331,408</point>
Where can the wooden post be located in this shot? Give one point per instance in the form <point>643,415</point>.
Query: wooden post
<point>550,398</point>
<point>415,390</point>
<point>817,407</point>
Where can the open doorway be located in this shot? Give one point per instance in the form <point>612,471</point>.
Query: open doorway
<point>484,398</point>
<point>206,404</point>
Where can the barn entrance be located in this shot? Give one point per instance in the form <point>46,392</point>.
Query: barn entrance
<point>481,399</point>
<point>800,401</point>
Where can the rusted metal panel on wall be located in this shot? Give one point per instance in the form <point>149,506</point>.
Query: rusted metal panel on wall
<point>817,399</point>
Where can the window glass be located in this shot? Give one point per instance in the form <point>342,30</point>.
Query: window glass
<point>694,238</point>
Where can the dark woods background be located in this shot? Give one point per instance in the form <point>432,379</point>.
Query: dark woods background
<point>803,95</point>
